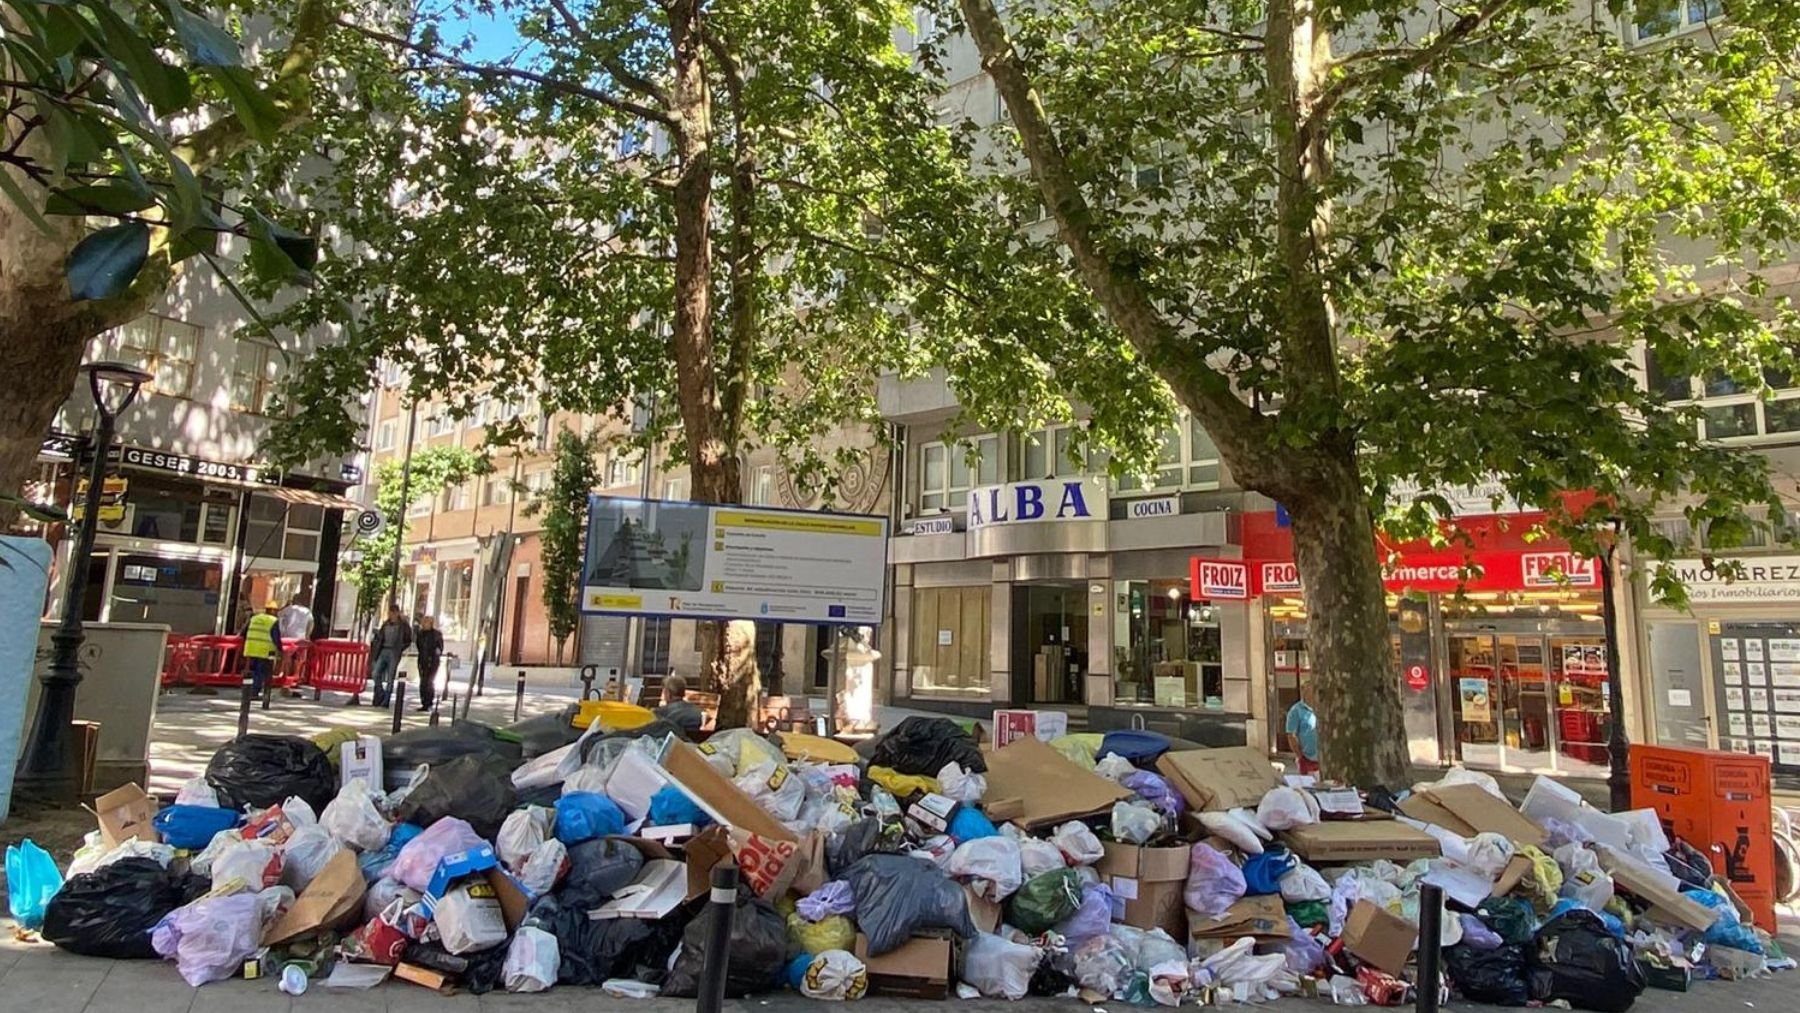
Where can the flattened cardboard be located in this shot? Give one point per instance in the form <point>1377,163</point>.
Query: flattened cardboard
<point>984,913</point>
<point>1642,882</point>
<point>125,813</point>
<point>1379,937</point>
<point>1421,807</point>
<point>920,968</point>
<point>1001,810</point>
<point>708,848</point>
<point>1050,788</point>
<point>1357,841</point>
<point>1213,780</point>
<point>1147,885</point>
<point>1262,916</point>
<point>1517,868</point>
<point>721,799</point>
<point>331,900</point>
<point>1487,814</point>
<point>437,981</point>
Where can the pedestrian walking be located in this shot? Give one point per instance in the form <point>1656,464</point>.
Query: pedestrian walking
<point>262,645</point>
<point>1303,731</point>
<point>390,641</point>
<point>430,642</point>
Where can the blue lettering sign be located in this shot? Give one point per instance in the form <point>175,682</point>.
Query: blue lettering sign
<point>1030,503</point>
<point>1073,505</point>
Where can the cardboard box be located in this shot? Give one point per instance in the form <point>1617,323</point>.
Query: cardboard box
<point>921,968</point>
<point>1002,810</point>
<point>722,800</point>
<point>986,914</point>
<point>1048,786</point>
<point>1012,725</point>
<point>1517,868</point>
<point>1147,885</point>
<point>1642,882</point>
<point>434,980</point>
<point>1262,916</point>
<point>1475,808</point>
<point>1359,841</point>
<point>1423,808</point>
<point>361,757</point>
<point>125,813</point>
<point>1719,803</point>
<point>1379,937</point>
<point>482,861</point>
<point>1213,780</point>
<point>332,900</point>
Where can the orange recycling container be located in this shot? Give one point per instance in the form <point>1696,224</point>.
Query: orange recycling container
<point>1719,803</point>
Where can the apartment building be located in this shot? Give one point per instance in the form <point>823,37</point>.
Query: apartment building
<point>1024,576</point>
<point>455,537</point>
<point>209,529</point>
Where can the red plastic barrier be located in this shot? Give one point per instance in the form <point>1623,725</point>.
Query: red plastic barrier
<point>341,666</point>
<point>216,661</point>
<point>178,658</point>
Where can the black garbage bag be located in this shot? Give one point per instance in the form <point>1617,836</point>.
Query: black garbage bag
<point>474,787</point>
<point>1049,980</point>
<point>922,745</point>
<point>660,728</point>
<point>1689,865</point>
<point>1578,960</point>
<point>487,970</point>
<point>433,956</point>
<point>403,753</point>
<point>1512,918</point>
<point>545,733</point>
<point>758,944</point>
<point>844,847</point>
<point>897,895</point>
<point>109,912</point>
<point>263,770</point>
<point>593,951</point>
<point>1498,976</point>
<point>598,868</point>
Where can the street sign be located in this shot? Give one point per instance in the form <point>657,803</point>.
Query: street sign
<point>369,523</point>
<point>354,556</point>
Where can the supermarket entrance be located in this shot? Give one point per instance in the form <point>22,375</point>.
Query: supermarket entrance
<point>1529,695</point>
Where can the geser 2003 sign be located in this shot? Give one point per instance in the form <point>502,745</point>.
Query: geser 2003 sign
<point>706,561</point>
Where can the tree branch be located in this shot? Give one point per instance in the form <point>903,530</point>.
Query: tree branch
<point>561,87</point>
<point>620,73</point>
<point>1405,59</point>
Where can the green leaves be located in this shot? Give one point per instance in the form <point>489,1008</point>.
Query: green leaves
<point>205,43</point>
<point>255,109</point>
<point>98,199</point>
<point>104,264</point>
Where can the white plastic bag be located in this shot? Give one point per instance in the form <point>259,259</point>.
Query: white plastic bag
<point>1077,843</point>
<point>1134,822</point>
<point>1214,881</point>
<point>254,865</point>
<point>542,771</point>
<point>1240,832</point>
<point>1037,857</point>
<point>1488,854</point>
<point>531,961</point>
<point>993,864</point>
<point>957,783</point>
<point>1302,883</point>
<point>210,939</point>
<point>1114,767</point>
<point>299,812</point>
<point>1236,966</point>
<point>1459,774</point>
<point>1287,808</point>
<point>468,919</point>
<point>305,855</point>
<point>352,817</point>
<point>999,969</point>
<point>418,859</point>
<point>521,833</point>
<point>588,779</point>
<point>195,791</point>
<point>385,891</point>
<point>835,976</point>
<point>545,866</point>
<point>1583,879</point>
<point>774,788</point>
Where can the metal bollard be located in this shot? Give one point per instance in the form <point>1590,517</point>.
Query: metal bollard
<point>399,703</point>
<point>718,938</point>
<point>248,694</point>
<point>587,680</point>
<point>435,704</point>
<point>1431,916</point>
<point>519,696</point>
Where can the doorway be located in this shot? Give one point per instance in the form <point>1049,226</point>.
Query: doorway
<point>521,598</point>
<point>1050,639</point>
<point>1529,700</point>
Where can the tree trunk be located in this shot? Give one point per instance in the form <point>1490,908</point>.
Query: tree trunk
<point>1361,738</point>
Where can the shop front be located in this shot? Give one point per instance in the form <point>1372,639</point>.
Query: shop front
<point>1500,655</point>
<point>1725,672</point>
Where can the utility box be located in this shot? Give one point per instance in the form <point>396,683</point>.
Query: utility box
<point>1719,803</point>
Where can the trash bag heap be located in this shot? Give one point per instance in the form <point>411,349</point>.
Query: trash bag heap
<point>1106,868</point>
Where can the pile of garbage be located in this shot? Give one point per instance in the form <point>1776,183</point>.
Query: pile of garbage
<point>927,864</point>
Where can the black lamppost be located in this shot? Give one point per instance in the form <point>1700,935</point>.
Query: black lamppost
<point>47,770</point>
<point>1618,777</point>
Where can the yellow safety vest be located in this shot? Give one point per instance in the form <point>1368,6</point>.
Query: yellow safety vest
<point>259,642</point>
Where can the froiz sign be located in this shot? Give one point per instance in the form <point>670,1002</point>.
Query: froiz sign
<point>1551,569</point>
<point>1027,502</point>
<point>1219,579</point>
<point>1280,577</point>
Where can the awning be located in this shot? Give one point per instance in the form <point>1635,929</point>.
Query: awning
<point>328,500</point>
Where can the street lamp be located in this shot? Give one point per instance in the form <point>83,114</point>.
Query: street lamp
<point>47,770</point>
<point>1618,749</point>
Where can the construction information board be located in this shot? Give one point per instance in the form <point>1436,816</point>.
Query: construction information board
<point>707,561</point>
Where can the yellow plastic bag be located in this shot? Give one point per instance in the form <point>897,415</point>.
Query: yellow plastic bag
<point>1546,879</point>
<point>834,933</point>
<point>1080,749</point>
<point>902,785</point>
<point>331,738</point>
<point>815,748</point>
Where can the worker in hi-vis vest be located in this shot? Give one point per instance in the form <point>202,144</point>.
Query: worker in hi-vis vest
<point>262,643</point>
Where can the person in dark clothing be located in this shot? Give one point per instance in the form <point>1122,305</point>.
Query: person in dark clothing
<point>430,642</point>
<point>677,709</point>
<point>390,642</point>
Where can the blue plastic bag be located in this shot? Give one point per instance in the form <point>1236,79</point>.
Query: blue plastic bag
<point>31,880</point>
<point>1154,790</point>
<point>375,864</point>
<point>670,807</point>
<point>193,827</point>
<point>970,824</point>
<point>585,815</point>
<point>1262,873</point>
<point>1728,931</point>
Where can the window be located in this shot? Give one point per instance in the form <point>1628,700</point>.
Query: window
<point>384,434</point>
<point>419,507</point>
<point>1186,459</point>
<point>165,348</point>
<point>277,529</point>
<point>621,470</point>
<point>946,474</point>
<point>477,417</point>
<point>253,377</point>
<point>1050,453</point>
<point>536,482</point>
<point>456,585</point>
<point>441,423</point>
<point>454,497</point>
<point>1729,409</point>
<point>392,375</point>
<point>497,491</point>
<point>762,485</point>
<point>1653,19</point>
<point>675,487</point>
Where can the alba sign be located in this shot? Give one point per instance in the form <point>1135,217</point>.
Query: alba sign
<point>1030,502</point>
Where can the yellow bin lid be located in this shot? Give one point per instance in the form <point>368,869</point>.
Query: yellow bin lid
<point>614,715</point>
